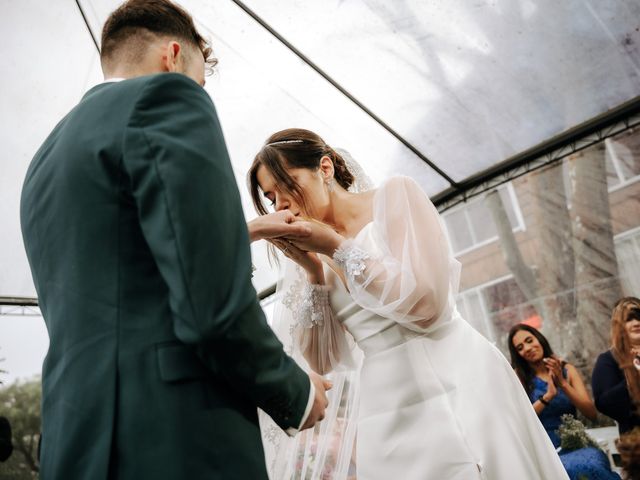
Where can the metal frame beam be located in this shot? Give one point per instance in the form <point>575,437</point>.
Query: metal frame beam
<point>344,91</point>
<point>553,150</point>
<point>86,22</point>
<point>19,301</point>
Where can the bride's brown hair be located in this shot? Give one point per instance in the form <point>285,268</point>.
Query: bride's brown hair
<point>294,148</point>
<point>624,310</point>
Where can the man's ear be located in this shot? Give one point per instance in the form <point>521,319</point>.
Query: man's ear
<point>172,56</point>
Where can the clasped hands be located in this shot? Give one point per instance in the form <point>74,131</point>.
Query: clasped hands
<point>554,367</point>
<point>299,239</point>
<point>283,228</point>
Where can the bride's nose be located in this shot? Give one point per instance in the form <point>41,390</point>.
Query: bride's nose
<point>282,202</point>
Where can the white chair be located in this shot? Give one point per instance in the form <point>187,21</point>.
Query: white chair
<point>606,437</point>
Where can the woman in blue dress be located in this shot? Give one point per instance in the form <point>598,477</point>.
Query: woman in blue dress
<point>556,388</point>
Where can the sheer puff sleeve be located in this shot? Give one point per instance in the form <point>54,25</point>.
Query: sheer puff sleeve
<point>400,266</point>
<point>307,325</point>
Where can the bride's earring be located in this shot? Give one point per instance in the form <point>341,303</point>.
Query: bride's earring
<point>330,184</point>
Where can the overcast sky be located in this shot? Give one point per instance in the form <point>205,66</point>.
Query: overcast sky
<point>23,346</point>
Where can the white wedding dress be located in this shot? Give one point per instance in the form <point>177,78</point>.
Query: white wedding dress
<point>434,400</point>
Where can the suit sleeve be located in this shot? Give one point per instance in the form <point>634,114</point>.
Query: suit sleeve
<point>191,216</point>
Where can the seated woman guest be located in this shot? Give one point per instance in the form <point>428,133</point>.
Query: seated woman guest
<point>616,376</point>
<point>556,388</point>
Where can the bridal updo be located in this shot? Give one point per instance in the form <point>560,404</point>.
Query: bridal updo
<point>294,148</point>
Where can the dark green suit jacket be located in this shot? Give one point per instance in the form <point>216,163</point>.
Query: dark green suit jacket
<point>159,352</point>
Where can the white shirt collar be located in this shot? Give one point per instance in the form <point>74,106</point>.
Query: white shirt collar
<point>114,79</point>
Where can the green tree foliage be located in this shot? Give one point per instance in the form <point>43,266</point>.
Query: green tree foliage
<point>20,403</point>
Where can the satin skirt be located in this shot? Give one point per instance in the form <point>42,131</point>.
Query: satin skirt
<point>446,405</point>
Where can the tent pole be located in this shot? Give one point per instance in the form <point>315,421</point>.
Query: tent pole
<point>86,22</point>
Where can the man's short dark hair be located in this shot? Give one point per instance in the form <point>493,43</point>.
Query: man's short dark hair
<point>136,22</point>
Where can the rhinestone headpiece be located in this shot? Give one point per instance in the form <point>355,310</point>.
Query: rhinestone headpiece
<point>283,142</point>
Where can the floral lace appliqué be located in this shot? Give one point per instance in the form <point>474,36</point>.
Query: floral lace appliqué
<point>315,298</point>
<point>351,259</point>
<point>293,296</point>
<point>272,433</point>
<point>306,302</point>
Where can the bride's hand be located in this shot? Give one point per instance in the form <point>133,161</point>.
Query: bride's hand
<point>307,260</point>
<point>275,225</point>
<point>323,238</point>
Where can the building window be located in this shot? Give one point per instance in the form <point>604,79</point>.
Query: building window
<point>494,307</point>
<point>627,246</point>
<point>471,225</point>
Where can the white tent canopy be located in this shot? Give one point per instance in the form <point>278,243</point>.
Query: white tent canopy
<point>463,85</point>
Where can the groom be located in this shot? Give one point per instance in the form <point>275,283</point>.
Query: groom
<point>159,352</point>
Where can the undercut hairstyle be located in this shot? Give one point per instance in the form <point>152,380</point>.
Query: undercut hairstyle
<point>136,23</point>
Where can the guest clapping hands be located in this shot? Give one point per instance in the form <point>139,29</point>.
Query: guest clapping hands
<point>545,376</point>
<point>555,388</point>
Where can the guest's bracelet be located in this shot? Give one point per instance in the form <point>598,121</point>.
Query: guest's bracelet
<point>544,402</point>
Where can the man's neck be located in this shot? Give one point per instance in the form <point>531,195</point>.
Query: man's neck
<point>125,72</point>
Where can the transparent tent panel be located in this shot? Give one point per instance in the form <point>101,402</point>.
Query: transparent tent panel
<point>45,74</point>
<point>259,87</point>
<point>579,252</point>
<point>470,86</point>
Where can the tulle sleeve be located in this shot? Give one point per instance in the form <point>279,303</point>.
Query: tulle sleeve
<point>401,266</point>
<point>320,336</point>
<point>307,325</point>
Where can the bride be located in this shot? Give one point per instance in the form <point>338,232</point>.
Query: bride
<point>430,398</point>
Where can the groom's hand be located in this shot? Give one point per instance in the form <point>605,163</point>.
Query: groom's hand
<point>320,402</point>
<point>276,225</point>
<point>323,239</point>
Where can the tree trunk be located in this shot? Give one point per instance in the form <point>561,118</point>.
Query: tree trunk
<point>596,267</point>
<point>522,273</point>
<point>555,260</point>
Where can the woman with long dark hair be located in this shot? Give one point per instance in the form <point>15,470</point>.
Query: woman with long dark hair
<point>555,388</point>
<point>616,375</point>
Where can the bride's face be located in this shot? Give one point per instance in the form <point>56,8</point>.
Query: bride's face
<point>311,184</point>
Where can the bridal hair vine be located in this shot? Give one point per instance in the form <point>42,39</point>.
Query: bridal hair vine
<point>281,142</point>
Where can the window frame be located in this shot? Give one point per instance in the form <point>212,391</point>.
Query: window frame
<point>515,205</point>
<point>611,155</point>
